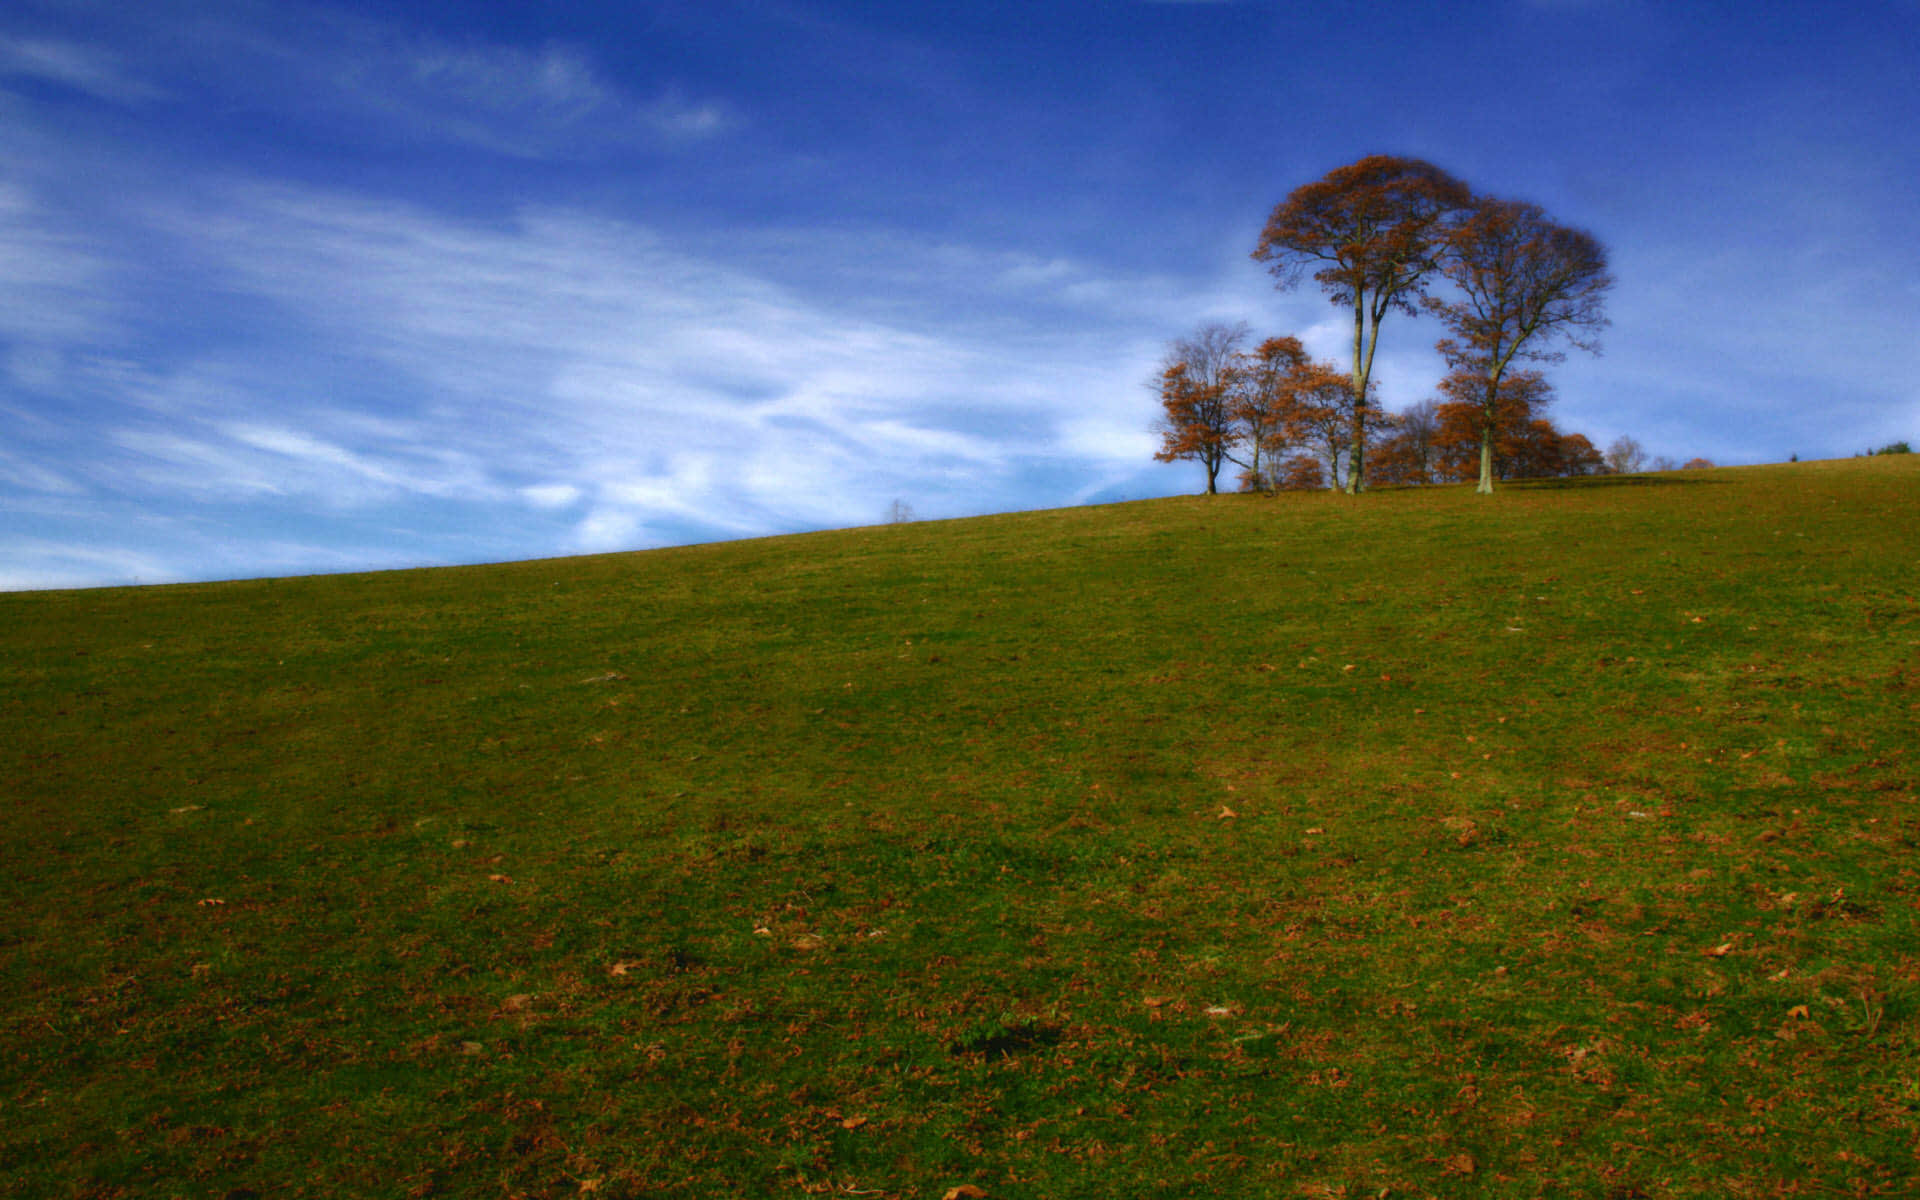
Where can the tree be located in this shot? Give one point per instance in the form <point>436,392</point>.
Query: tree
<point>1581,457</point>
<point>1536,451</point>
<point>1625,456</point>
<point>1263,406</point>
<point>1512,448</point>
<point>1326,417</point>
<point>1525,447</point>
<point>1196,380</point>
<point>1697,464</point>
<point>1373,230</point>
<point>1299,473</point>
<point>1523,285</point>
<point>1406,454</point>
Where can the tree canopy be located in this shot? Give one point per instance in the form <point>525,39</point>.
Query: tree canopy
<point>1372,233</point>
<point>1197,378</point>
<point>1522,285</point>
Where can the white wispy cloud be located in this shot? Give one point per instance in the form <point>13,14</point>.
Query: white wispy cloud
<point>89,69</point>
<point>551,495</point>
<point>311,65</point>
<point>51,277</point>
<point>527,102</point>
<point>580,370</point>
<point>35,563</point>
<point>315,64</point>
<point>18,471</point>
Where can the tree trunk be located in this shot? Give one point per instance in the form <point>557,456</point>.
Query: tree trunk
<point>1489,411</point>
<point>1360,368</point>
<point>1357,452</point>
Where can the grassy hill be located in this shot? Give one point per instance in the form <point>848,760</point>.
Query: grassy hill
<point>1558,843</point>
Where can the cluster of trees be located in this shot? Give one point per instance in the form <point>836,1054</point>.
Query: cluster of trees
<point>1266,409</point>
<point>1377,236</point>
<point>1277,420</point>
<point>1444,440</point>
<point>1626,457</point>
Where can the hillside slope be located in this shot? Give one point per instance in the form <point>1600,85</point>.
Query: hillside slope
<point>1560,842</point>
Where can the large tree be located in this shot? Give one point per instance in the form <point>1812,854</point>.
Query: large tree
<point>1523,285</point>
<point>1197,380</point>
<point>1371,233</point>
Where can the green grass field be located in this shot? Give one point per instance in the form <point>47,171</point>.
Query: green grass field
<point>1561,843</point>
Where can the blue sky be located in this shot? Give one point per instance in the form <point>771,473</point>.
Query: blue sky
<point>295,287</point>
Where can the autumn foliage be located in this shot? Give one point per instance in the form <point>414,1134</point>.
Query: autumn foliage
<point>1522,286</point>
<point>1382,235</point>
<point>1198,381</point>
<point>1521,443</point>
<point>1284,419</point>
<point>1372,233</point>
<point>1440,440</point>
<point>1195,424</point>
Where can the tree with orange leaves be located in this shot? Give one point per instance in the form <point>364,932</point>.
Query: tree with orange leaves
<point>1578,456</point>
<point>1406,455</point>
<point>1373,231</point>
<point>1526,445</point>
<point>1197,381</point>
<point>1264,408</point>
<point>1299,473</point>
<point>1464,438</point>
<point>1523,284</point>
<point>1327,419</point>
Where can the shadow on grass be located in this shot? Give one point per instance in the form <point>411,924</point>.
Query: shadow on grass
<point>1662,479</point>
<point>1557,483</point>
